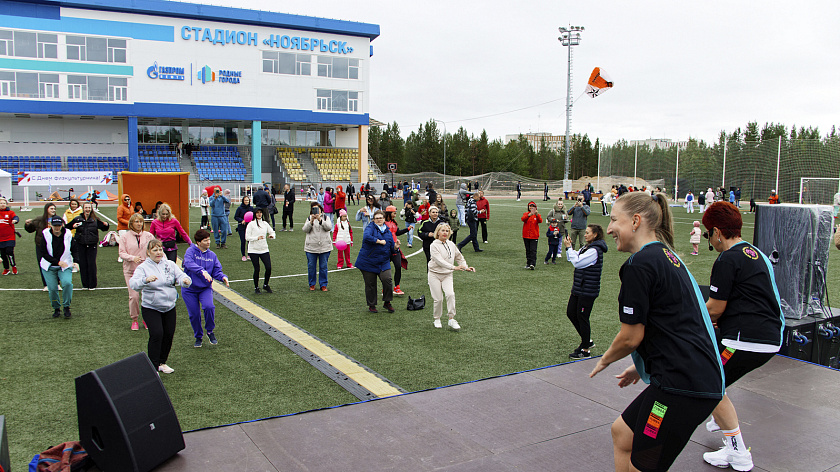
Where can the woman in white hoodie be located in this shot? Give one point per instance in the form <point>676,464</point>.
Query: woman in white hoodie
<point>444,253</point>
<point>257,233</point>
<point>155,279</point>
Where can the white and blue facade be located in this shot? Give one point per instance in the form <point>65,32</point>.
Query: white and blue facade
<point>85,76</point>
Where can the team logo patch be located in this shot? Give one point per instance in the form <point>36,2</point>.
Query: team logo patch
<point>671,257</point>
<point>751,253</point>
<point>654,421</point>
<point>726,355</point>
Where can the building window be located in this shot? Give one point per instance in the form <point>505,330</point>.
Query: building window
<point>116,50</point>
<point>48,46</point>
<point>286,63</point>
<point>25,44</point>
<point>7,84</point>
<point>83,87</point>
<point>338,67</point>
<point>336,100</point>
<point>117,89</point>
<point>48,85</point>
<point>77,87</point>
<point>7,43</point>
<point>353,101</point>
<point>94,49</point>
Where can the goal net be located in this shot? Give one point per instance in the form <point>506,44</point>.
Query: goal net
<point>818,190</point>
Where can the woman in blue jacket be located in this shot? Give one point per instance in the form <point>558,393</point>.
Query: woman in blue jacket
<point>202,266</point>
<point>155,278</point>
<point>374,260</point>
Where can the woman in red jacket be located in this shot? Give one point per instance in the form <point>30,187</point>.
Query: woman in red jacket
<point>8,218</point>
<point>397,256</point>
<point>340,201</point>
<point>531,234</point>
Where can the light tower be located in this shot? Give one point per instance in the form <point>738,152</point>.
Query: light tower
<point>569,36</point>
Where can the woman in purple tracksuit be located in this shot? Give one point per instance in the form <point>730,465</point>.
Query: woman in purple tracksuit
<point>202,266</point>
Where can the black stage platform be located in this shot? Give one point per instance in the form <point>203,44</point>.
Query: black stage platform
<point>553,419</point>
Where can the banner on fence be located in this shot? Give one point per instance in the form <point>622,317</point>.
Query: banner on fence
<point>27,179</point>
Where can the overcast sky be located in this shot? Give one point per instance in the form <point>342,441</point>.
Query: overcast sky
<point>681,69</point>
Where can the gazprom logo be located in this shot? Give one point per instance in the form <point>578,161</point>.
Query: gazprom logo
<point>165,73</point>
<point>205,74</point>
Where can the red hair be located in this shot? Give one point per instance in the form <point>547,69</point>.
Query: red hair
<point>725,217</point>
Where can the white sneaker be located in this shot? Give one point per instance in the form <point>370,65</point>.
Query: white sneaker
<point>119,259</point>
<point>454,324</point>
<point>46,289</point>
<point>165,369</point>
<point>727,456</point>
<point>438,324</point>
<point>711,426</point>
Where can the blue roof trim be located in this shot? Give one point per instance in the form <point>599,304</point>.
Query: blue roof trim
<point>222,14</point>
<point>67,24</point>
<point>32,10</point>
<point>169,110</point>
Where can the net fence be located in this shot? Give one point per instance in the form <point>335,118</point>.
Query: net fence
<point>756,168</point>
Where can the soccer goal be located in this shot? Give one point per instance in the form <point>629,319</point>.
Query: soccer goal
<point>819,190</point>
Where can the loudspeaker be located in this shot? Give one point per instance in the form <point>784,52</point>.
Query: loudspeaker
<point>126,420</point>
<point>5,461</point>
<point>796,239</point>
<point>798,338</point>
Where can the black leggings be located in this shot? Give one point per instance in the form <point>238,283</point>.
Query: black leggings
<point>395,258</point>
<point>240,230</point>
<point>161,331</point>
<point>483,224</point>
<point>204,221</point>
<point>171,255</point>
<point>578,311</point>
<point>255,260</point>
<point>87,264</point>
<point>8,255</point>
<point>38,265</point>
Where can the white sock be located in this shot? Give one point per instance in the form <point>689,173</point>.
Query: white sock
<point>712,426</point>
<point>735,440</point>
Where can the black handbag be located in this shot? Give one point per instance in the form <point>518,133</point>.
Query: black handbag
<point>416,303</point>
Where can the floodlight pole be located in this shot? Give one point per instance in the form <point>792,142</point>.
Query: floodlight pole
<point>569,36</point>
<point>444,151</point>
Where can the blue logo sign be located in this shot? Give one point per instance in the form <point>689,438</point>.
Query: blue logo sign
<point>165,73</point>
<point>206,74</point>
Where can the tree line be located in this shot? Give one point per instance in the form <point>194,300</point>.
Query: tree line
<point>751,154</point>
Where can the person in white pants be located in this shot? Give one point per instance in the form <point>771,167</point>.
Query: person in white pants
<point>689,202</point>
<point>442,264</point>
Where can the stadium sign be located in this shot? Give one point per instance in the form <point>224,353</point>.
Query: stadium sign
<point>65,178</point>
<point>165,73</point>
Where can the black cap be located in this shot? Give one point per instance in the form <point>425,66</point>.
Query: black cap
<point>56,221</point>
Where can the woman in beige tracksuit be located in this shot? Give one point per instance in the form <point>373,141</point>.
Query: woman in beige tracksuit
<point>444,253</point>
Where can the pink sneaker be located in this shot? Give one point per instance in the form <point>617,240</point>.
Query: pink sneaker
<point>134,326</point>
<point>244,258</point>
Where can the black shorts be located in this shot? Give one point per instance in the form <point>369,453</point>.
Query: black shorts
<point>738,362</point>
<point>662,424</point>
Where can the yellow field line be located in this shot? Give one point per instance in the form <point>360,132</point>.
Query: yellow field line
<point>354,371</point>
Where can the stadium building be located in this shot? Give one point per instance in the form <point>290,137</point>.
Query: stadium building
<point>117,84</point>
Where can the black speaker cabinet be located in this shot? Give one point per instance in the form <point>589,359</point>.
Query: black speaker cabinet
<point>798,339</point>
<point>827,340</point>
<point>4,446</point>
<point>126,420</point>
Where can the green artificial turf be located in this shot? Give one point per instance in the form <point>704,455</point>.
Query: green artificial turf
<point>512,319</point>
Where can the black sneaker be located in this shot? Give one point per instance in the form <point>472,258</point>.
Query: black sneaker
<point>256,290</point>
<point>590,345</point>
<point>267,289</point>
<point>580,354</point>
<point>389,307</point>
<point>212,338</point>
<point>57,313</point>
<point>373,309</point>
<point>67,313</point>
